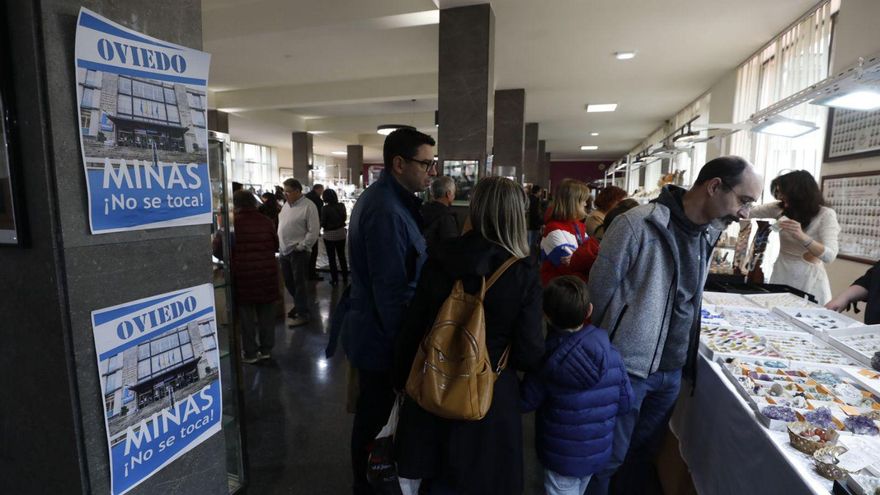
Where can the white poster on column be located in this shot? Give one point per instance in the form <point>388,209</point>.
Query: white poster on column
<point>143,128</point>
<point>159,369</point>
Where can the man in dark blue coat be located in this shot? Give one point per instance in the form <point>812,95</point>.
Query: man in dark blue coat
<point>387,252</point>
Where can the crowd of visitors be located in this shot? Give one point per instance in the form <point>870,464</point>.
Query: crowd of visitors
<point>589,318</point>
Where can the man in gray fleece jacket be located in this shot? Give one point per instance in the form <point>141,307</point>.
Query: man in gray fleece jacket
<point>647,286</point>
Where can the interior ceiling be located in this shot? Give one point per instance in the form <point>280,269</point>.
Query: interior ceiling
<point>339,68</point>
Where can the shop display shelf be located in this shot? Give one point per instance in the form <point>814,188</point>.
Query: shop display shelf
<point>801,387</point>
<point>758,319</point>
<point>727,299</point>
<point>808,348</point>
<point>781,299</point>
<point>860,343</point>
<point>718,341</point>
<point>819,321</point>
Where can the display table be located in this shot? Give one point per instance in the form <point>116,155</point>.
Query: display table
<point>728,451</point>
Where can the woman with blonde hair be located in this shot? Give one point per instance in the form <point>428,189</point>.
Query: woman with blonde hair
<point>565,248</point>
<point>483,456</point>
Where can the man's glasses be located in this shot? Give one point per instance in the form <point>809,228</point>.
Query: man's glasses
<point>746,202</point>
<point>426,164</point>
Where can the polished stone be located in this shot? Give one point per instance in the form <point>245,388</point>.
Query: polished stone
<point>507,138</point>
<point>303,156</point>
<point>530,153</point>
<point>465,82</point>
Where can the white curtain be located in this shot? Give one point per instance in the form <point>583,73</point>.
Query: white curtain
<point>255,166</point>
<point>791,62</point>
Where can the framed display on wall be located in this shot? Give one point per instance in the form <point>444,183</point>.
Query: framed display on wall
<point>856,200</point>
<point>11,214</point>
<point>464,173</point>
<point>852,134</point>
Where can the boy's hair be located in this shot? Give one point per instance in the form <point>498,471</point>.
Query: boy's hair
<point>566,302</point>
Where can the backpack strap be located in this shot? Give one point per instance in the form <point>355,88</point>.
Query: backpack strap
<point>500,271</point>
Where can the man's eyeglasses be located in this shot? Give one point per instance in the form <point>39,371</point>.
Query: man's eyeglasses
<point>746,202</point>
<point>426,164</point>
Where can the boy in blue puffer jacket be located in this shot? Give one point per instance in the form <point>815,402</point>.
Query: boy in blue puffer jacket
<point>580,390</point>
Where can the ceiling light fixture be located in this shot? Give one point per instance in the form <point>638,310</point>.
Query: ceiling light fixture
<point>339,153</point>
<point>862,99</point>
<point>686,138</point>
<point>601,107</point>
<point>594,134</point>
<point>386,129</point>
<point>778,125</point>
<point>624,55</point>
<point>589,148</point>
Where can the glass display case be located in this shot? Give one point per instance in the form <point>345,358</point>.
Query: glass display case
<point>230,354</point>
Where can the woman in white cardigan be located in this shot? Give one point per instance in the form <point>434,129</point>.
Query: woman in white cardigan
<point>808,234</point>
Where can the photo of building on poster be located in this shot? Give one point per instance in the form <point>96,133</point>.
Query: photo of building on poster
<point>159,370</point>
<point>142,112</point>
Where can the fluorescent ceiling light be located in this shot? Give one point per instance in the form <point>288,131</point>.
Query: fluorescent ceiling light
<point>785,127</point>
<point>594,134</point>
<point>387,129</point>
<point>589,148</point>
<point>602,107</point>
<point>857,100</point>
<point>624,55</point>
<point>339,153</point>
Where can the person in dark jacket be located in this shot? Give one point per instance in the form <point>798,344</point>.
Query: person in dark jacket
<point>440,221</point>
<point>270,207</point>
<point>482,457</point>
<point>580,390</point>
<point>387,253</point>
<point>315,197</point>
<point>333,217</point>
<point>536,217</point>
<point>255,276</point>
<point>865,288</point>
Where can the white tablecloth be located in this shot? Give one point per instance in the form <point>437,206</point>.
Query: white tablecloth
<point>728,451</point>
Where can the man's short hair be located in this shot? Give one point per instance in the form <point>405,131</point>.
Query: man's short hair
<point>404,142</point>
<point>727,168</point>
<point>566,302</point>
<point>243,199</point>
<point>317,186</point>
<point>442,185</point>
<point>535,189</point>
<point>294,184</point>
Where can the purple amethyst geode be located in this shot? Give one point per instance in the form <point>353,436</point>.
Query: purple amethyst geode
<point>820,417</point>
<point>861,425</point>
<point>780,413</point>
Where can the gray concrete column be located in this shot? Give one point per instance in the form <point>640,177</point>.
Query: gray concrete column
<point>465,82</point>
<point>509,133</point>
<point>545,170</point>
<point>541,174</point>
<point>530,153</point>
<point>303,157</point>
<point>52,429</point>
<point>355,161</point>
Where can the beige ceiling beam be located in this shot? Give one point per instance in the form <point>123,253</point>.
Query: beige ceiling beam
<point>420,120</point>
<point>275,117</point>
<point>379,89</point>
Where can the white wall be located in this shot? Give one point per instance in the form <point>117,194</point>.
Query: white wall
<point>720,112</point>
<point>855,35</point>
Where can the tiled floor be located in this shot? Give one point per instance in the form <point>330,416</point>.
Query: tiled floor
<point>296,425</point>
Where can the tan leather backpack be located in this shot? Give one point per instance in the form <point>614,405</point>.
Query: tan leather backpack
<point>451,375</point>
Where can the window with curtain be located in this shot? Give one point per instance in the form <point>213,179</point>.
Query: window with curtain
<point>794,60</point>
<point>255,165</point>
